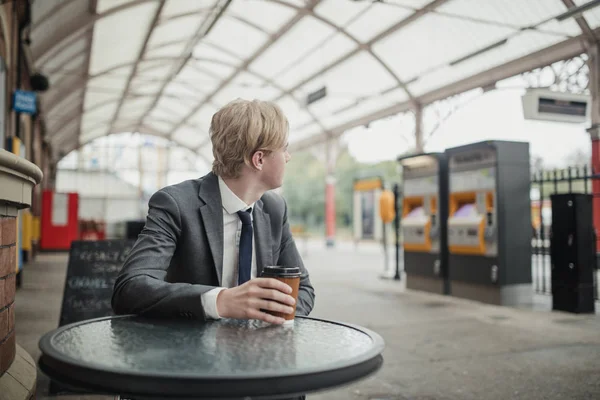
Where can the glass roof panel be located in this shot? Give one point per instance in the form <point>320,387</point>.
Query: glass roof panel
<point>136,107</point>
<point>102,113</point>
<point>93,99</point>
<point>43,31</point>
<point>145,86</point>
<point>297,3</point>
<point>110,83</point>
<point>234,90</point>
<point>256,10</point>
<point>125,30</point>
<point>308,130</point>
<point>88,136</point>
<point>341,14</point>
<point>376,20</point>
<point>183,92</point>
<point>159,113</point>
<point>122,126</point>
<point>294,111</point>
<point>592,17</point>
<point>159,72</point>
<point>214,69</point>
<point>206,49</point>
<point>191,75</point>
<point>189,137</point>
<point>525,43</point>
<point>369,105</point>
<point>161,126</point>
<point>306,64</point>
<point>341,81</point>
<point>105,5</point>
<point>566,27</point>
<point>174,107</point>
<point>68,99</point>
<point>178,7</point>
<point>44,8</point>
<point>74,67</point>
<point>237,37</point>
<point>178,29</point>
<point>441,40</point>
<point>416,4</point>
<point>78,48</point>
<point>206,151</point>
<point>304,36</point>
<point>512,12</point>
<point>172,50</point>
<point>149,65</point>
<point>203,117</point>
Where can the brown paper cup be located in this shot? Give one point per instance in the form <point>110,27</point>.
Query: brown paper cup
<point>289,276</point>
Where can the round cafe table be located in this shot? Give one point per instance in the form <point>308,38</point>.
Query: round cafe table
<point>156,358</point>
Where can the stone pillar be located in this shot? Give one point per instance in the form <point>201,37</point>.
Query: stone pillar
<point>17,180</point>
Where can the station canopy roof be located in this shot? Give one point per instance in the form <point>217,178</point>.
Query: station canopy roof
<point>163,67</point>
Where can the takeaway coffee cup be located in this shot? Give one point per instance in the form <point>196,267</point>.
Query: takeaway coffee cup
<point>289,276</point>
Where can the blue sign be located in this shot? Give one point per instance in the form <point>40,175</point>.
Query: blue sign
<point>24,101</point>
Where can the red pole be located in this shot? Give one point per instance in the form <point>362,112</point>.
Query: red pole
<point>330,210</point>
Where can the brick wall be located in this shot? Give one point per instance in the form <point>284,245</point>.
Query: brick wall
<point>8,253</point>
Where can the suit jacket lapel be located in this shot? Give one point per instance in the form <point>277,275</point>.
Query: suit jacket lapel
<point>212,219</point>
<point>262,236</point>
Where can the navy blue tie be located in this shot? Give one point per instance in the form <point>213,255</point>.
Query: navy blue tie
<point>245,253</point>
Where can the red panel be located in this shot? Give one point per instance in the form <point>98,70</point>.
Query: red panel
<point>330,211</point>
<point>58,237</point>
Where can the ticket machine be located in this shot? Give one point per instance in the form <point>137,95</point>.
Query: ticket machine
<point>489,224</point>
<point>424,221</point>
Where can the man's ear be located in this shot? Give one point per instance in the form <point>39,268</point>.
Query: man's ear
<point>258,160</point>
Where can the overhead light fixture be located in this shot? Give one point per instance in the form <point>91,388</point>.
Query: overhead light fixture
<point>575,12</point>
<point>479,52</point>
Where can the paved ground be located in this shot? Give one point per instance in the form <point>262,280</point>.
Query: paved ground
<point>436,347</point>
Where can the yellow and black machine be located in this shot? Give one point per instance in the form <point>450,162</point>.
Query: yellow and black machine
<point>424,221</point>
<point>489,224</point>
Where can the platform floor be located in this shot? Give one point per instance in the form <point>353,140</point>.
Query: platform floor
<point>436,347</point>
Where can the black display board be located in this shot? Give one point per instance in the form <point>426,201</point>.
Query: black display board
<point>91,273</point>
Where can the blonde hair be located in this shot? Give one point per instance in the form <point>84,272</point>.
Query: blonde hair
<point>241,128</point>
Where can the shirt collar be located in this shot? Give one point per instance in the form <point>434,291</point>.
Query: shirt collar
<point>231,203</point>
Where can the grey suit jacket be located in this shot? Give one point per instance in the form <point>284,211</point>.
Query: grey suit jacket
<point>178,256</point>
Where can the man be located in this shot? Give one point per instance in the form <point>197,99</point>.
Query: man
<point>193,258</point>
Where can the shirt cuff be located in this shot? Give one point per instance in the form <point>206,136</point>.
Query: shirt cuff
<point>209,303</point>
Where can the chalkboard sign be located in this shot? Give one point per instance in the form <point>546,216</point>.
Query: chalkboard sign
<point>91,273</point>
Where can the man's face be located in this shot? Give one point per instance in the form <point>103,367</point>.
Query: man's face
<point>274,167</point>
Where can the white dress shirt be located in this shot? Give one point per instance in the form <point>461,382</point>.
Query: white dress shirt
<point>232,229</point>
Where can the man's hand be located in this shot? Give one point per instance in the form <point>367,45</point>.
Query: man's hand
<point>247,300</point>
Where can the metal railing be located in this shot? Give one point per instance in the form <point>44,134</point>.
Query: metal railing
<point>568,180</point>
